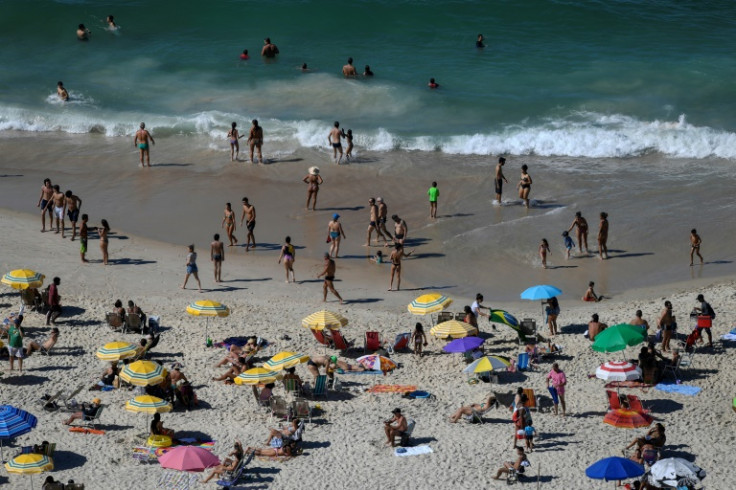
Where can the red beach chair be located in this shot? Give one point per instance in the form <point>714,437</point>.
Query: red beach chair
<point>320,337</point>
<point>401,342</point>
<point>614,403</point>
<point>635,404</point>
<point>339,340</point>
<point>372,342</point>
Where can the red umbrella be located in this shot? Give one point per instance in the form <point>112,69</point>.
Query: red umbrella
<point>627,419</point>
<point>188,458</point>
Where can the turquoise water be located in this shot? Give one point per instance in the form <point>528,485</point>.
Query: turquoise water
<point>591,79</point>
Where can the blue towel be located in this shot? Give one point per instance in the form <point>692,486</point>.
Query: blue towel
<point>681,389</point>
<point>340,371</point>
<point>412,451</point>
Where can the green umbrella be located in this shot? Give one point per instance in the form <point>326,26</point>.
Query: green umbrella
<point>619,337</point>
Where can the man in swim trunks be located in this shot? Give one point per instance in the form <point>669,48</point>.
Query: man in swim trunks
<point>400,229</point>
<point>373,223</point>
<point>255,140</point>
<point>382,217</point>
<point>61,91</point>
<point>500,178</point>
<point>603,237</point>
<point>582,231</point>
<point>348,71</point>
<point>217,256</point>
<point>46,192</point>
<point>695,242</point>
<point>329,274</point>
<point>83,33</point>
<point>335,232</point>
<point>269,49</point>
<point>334,140</point>
<point>142,137</point>
<point>58,204</point>
<point>73,205</point>
<point>249,212</point>
<point>83,238</point>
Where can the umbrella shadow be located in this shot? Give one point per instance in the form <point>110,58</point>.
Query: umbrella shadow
<point>663,405</point>
<point>83,323</point>
<point>111,428</point>
<point>362,300</point>
<point>194,434</point>
<point>574,328</point>
<point>24,380</point>
<point>692,373</point>
<point>67,460</point>
<point>67,311</point>
<point>416,441</point>
<point>52,368</point>
<point>667,452</point>
<point>130,261</point>
<point>589,413</point>
<point>315,444</point>
<point>512,378</point>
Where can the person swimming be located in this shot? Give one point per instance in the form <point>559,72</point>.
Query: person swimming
<point>244,55</point>
<point>433,84</point>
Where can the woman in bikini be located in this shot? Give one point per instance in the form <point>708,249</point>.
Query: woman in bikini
<point>419,338</point>
<point>255,140</point>
<point>231,462</point>
<point>313,181</point>
<point>288,254</point>
<point>228,222</point>
<point>582,231</point>
<point>543,251</point>
<point>603,237</point>
<point>103,231</point>
<point>396,257</point>
<point>524,185</point>
<point>234,136</point>
<point>479,408</point>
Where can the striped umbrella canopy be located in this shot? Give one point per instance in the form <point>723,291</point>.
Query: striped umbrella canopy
<point>627,419</point>
<point>23,279</point>
<point>452,328</point>
<point>486,364</point>
<point>148,404</point>
<point>143,373</point>
<point>618,371</point>
<point>257,375</point>
<point>14,422</point>
<point>427,304</point>
<point>114,351</point>
<point>285,360</point>
<point>25,464</point>
<point>324,319</point>
<point>207,307</point>
<point>374,362</point>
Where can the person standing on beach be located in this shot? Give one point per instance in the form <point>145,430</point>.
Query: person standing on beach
<point>558,379</point>
<point>47,191</point>
<point>476,307</point>
<point>58,201</point>
<point>603,237</point>
<point>192,268</point>
<point>249,212</point>
<point>543,251</point>
<point>255,140</point>
<point>62,92</point>
<point>349,149</point>
<point>499,179</point>
<point>348,71</point>
<point>15,343</point>
<point>228,222</point>
<point>582,231</point>
<point>334,139</point>
<point>83,238</point>
<point>695,242</point>
<point>269,49</point>
<point>334,234</point>
<point>313,181</point>
<point>233,137</point>
<point>667,324</point>
<point>382,218</point>
<point>142,138</point>
<point>401,230</point>
<point>707,310</point>
<point>524,185</point>
<point>54,302</point>
<point>396,257</point>
<point>73,204</point>
<point>288,255</point>
<point>372,223</point>
<point>329,274</point>
<point>103,230</point>
<point>217,256</point>
<point>433,194</point>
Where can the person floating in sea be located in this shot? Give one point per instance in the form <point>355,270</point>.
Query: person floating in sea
<point>479,42</point>
<point>334,139</point>
<point>524,185</point>
<point>433,84</point>
<point>582,231</point>
<point>249,212</point>
<point>269,50</point>
<point>603,236</point>
<point>348,70</point>
<point>111,25</point>
<point>434,194</point>
<point>233,136</point>
<point>142,138</point>
<point>255,140</point>
<point>695,242</point>
<point>83,33</point>
<point>305,68</point>
<point>62,92</point>
<point>329,275</point>
<point>313,181</point>
<point>499,179</point>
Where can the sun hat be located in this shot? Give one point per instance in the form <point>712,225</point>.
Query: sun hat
<point>313,170</point>
<point>96,401</point>
<point>379,199</point>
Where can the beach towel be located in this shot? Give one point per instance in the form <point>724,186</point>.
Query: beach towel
<point>412,451</point>
<point>681,389</point>
<point>730,336</point>
<point>391,389</point>
<point>85,430</point>
<point>341,371</point>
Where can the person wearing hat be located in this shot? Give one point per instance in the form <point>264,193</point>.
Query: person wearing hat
<point>707,310</point>
<point>15,343</point>
<point>313,181</point>
<point>329,274</point>
<point>334,234</point>
<point>394,426</point>
<point>88,412</point>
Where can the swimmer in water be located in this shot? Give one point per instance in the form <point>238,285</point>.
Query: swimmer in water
<point>433,84</point>
<point>111,23</point>
<point>367,72</point>
<point>61,92</point>
<point>83,33</point>
<point>305,68</point>
<point>349,139</point>
<point>244,55</point>
<point>479,42</point>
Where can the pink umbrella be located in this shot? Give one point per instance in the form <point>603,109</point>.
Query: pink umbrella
<point>188,458</point>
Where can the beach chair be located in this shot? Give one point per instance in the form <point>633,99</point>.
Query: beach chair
<point>444,316</point>
<point>50,449</point>
<point>635,404</point>
<point>279,408</point>
<point>401,343</point>
<point>340,342</point>
<point>233,477</point>
<point>91,422</point>
<point>527,330</point>
<point>320,386</point>
<point>522,364</point>
<point>505,400</point>
<point>115,321</point>
<point>133,323</point>
<point>320,337</point>
<point>460,316</point>
<point>35,303</point>
<point>614,402</point>
<point>675,369</point>
<point>292,386</point>
<point>69,398</point>
<point>532,400</point>
<point>259,402</point>
<point>48,403</point>
<point>300,408</point>
<point>372,342</point>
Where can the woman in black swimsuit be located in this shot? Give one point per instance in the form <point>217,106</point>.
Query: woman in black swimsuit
<point>103,231</point>
<point>525,185</point>
<point>396,257</point>
<point>288,254</point>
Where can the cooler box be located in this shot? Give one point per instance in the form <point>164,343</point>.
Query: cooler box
<point>704,321</point>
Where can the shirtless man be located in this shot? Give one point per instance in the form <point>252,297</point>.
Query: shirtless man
<point>695,242</point>
<point>595,327</point>
<point>603,237</point>
<point>217,256</point>
<point>46,192</point>
<point>61,91</point>
<point>382,218</point>
<point>638,320</point>
<point>255,140</point>
<point>142,136</point>
<point>83,33</point>
<point>50,342</point>
<point>73,204</point>
<point>500,178</point>
<point>334,140</point>
<point>329,274</point>
<point>373,223</point>
<point>249,212</point>
<point>394,427</point>
<point>336,233</point>
<point>582,231</point>
<point>83,231</point>
<point>401,231</point>
<point>348,71</point>
<point>58,204</point>
<point>269,49</point>
<point>396,257</point>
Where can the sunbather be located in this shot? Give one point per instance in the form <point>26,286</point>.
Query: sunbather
<point>654,436</point>
<point>47,344</point>
<point>291,374</point>
<point>108,377</point>
<point>519,466</point>
<point>88,412</point>
<point>235,352</point>
<point>478,408</point>
<point>285,450</point>
<point>233,372</point>
<point>291,432</point>
<point>231,462</point>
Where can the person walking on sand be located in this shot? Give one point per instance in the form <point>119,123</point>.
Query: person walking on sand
<point>695,242</point>
<point>558,379</point>
<point>58,204</point>
<point>329,274</point>
<point>47,192</point>
<point>255,140</point>
<point>191,264</point>
<point>334,139</point>
<point>419,339</point>
<point>433,194</point>
<point>373,223</point>
<point>249,213</point>
<point>348,70</point>
<point>401,230</point>
<point>83,232</point>
<point>543,251</point>
<point>499,179</point>
<point>73,204</point>
<point>142,138</point>
<point>217,256</point>
<point>103,230</point>
<point>233,136</point>
<point>524,185</point>
<point>603,237</point>
<point>382,218</point>
<point>582,231</point>
<point>313,181</point>
<point>288,255</point>
<point>228,222</point>
<point>334,234</point>
<point>396,256</point>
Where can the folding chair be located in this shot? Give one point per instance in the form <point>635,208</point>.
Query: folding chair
<point>340,342</point>
<point>635,404</point>
<point>279,408</point>
<point>91,422</point>
<point>614,402</point>
<point>70,397</point>
<point>236,474</point>
<point>133,322</point>
<point>48,403</point>
<point>292,386</point>
<point>444,316</point>
<point>372,342</point>
<point>320,386</point>
<point>320,337</point>
<point>522,363</point>
<point>532,400</point>
<point>115,321</point>
<point>460,316</point>
<point>400,343</point>
<point>300,408</point>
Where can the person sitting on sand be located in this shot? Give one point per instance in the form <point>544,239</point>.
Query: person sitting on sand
<point>595,327</point>
<point>654,436</point>
<point>108,377</point>
<point>134,309</point>
<point>231,462</point>
<point>590,294</point>
<point>291,432</point>
<point>158,429</point>
<point>233,371</point>
<point>235,352</point>
<point>395,426</point>
<point>471,319</point>
<point>88,412</point>
<point>34,346</point>
<point>478,408</point>
<point>519,466</point>
<point>638,320</point>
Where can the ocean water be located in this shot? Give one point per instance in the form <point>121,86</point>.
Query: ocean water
<point>593,79</point>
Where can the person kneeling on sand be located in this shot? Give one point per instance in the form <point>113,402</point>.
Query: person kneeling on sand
<point>231,462</point>
<point>478,408</point>
<point>47,344</point>
<point>518,466</point>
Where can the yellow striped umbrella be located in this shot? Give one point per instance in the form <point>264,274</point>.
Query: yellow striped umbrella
<point>148,404</point>
<point>256,376</point>
<point>486,364</point>
<point>285,360</point>
<point>23,279</point>
<point>427,304</point>
<point>452,328</point>
<point>208,308</point>
<point>324,319</point>
<point>143,373</point>
<point>114,351</point>
<point>29,464</point>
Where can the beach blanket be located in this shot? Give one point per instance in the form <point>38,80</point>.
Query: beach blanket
<point>391,389</point>
<point>730,336</point>
<point>341,371</point>
<point>412,451</point>
<point>85,430</point>
<point>681,389</point>
<point>628,384</point>
<point>177,480</point>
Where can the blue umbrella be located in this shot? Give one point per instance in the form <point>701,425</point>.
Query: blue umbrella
<point>464,345</point>
<point>542,291</point>
<point>14,422</point>
<point>614,468</point>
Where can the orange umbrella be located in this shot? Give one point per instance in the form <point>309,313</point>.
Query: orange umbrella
<point>627,419</point>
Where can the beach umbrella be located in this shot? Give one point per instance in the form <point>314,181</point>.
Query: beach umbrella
<point>374,362</point>
<point>143,373</point>
<point>23,279</point>
<point>627,419</point>
<point>675,472</point>
<point>619,337</point>
<point>452,328</point>
<point>256,376</point>
<point>207,308</point>
<point>285,360</point>
<point>613,469</point>
<point>29,464</point>
<point>540,292</point>
<point>618,371</point>
<point>427,304</point>
<point>14,422</point>
<point>148,404</point>
<point>114,351</point>
<point>486,364</point>
<point>324,319</point>
<point>188,458</point>
<point>464,345</point>
<point>501,316</point>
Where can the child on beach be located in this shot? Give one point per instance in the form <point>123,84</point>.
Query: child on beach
<point>695,242</point>
<point>433,194</point>
<point>349,139</point>
<point>569,244</point>
<point>590,293</point>
<point>378,258</point>
<point>529,433</point>
<point>543,251</point>
<point>419,338</point>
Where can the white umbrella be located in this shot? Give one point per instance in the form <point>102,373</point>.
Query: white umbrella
<point>618,371</point>
<point>674,472</point>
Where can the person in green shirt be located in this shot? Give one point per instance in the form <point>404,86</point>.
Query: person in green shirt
<point>433,194</point>
<point>15,343</point>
